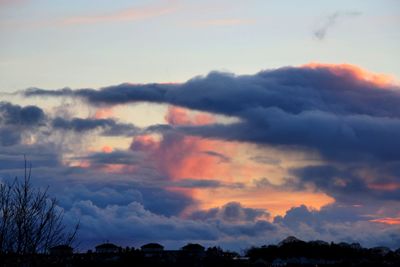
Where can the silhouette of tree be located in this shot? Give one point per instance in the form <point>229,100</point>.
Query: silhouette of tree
<point>30,221</point>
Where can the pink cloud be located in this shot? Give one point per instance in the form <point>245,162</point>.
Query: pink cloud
<point>103,113</point>
<point>356,73</point>
<point>181,116</point>
<point>130,14</point>
<point>388,220</point>
<point>393,186</point>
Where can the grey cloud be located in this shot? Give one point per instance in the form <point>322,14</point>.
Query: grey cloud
<point>333,213</point>
<point>230,212</point>
<point>330,22</point>
<point>354,124</point>
<point>153,197</point>
<point>204,183</point>
<point>16,120</point>
<point>266,160</point>
<point>133,223</point>
<point>12,158</point>
<point>260,227</point>
<point>223,158</point>
<point>347,119</point>
<point>126,157</point>
<point>197,183</point>
<point>110,126</point>
<point>346,184</point>
<point>339,223</point>
<point>11,114</point>
<point>287,184</point>
<point>343,110</point>
<point>309,89</point>
<point>9,136</point>
<point>343,138</point>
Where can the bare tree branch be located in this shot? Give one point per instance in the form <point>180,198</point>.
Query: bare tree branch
<point>30,221</point>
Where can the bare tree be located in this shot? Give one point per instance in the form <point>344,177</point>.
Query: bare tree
<point>30,221</point>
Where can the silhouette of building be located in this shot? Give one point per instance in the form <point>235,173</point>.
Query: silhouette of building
<point>194,250</point>
<point>61,250</point>
<point>108,248</point>
<point>152,250</point>
<point>152,247</point>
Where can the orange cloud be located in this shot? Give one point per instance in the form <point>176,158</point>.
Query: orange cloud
<point>144,143</point>
<point>180,116</point>
<point>187,156</point>
<point>103,113</point>
<point>181,157</point>
<point>107,149</point>
<point>275,201</point>
<point>388,220</point>
<point>117,168</point>
<point>385,186</point>
<point>356,72</point>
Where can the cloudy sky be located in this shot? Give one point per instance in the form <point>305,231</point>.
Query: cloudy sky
<point>231,123</point>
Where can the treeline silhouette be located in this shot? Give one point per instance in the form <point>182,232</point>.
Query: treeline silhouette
<point>289,252</point>
<point>295,252</point>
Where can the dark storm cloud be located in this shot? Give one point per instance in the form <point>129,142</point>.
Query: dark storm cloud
<point>353,123</point>
<point>296,216</point>
<point>115,157</point>
<point>230,212</point>
<point>16,120</point>
<point>121,207</point>
<point>198,183</point>
<point>340,223</point>
<point>154,198</point>
<point>203,183</point>
<point>13,158</point>
<point>9,136</point>
<point>113,94</point>
<point>110,126</point>
<point>133,222</point>
<point>251,229</point>
<point>291,89</point>
<point>16,115</point>
<point>330,22</point>
<point>331,110</point>
<point>346,184</point>
<point>338,137</point>
<point>43,92</point>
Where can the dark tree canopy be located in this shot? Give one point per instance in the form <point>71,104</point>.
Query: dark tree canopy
<point>30,220</point>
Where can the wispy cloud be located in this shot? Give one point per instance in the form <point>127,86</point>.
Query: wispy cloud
<point>130,14</point>
<point>223,22</point>
<point>123,15</point>
<point>330,21</point>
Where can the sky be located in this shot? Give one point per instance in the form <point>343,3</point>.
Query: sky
<point>230,123</point>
